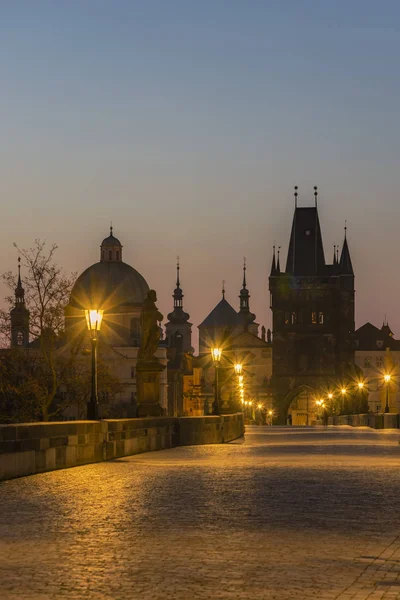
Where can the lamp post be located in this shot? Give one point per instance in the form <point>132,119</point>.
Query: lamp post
<point>330,396</point>
<point>387,381</point>
<point>93,320</point>
<point>360,386</point>
<point>216,356</point>
<point>271,416</point>
<point>343,391</point>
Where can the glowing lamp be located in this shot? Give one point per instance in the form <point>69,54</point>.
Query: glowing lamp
<point>360,385</point>
<point>94,319</point>
<point>330,396</point>
<point>216,354</point>
<point>343,391</point>
<point>238,368</point>
<point>387,378</point>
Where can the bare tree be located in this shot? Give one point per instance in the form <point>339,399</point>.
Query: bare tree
<point>47,290</point>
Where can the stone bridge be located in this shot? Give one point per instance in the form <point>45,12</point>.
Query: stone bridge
<point>285,513</point>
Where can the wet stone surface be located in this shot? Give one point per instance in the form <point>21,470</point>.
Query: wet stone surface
<point>288,513</point>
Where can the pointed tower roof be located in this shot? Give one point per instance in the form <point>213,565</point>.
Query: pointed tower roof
<point>19,290</point>
<point>223,315</point>
<point>273,266</point>
<point>345,264</point>
<point>306,252</point>
<point>245,316</point>
<point>178,316</point>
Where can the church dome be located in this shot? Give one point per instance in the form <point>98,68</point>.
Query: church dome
<point>110,282</point>
<point>107,285</point>
<point>111,241</point>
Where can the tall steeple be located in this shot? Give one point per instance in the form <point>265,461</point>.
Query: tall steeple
<point>245,316</point>
<point>178,319</point>
<point>345,263</point>
<point>19,315</point>
<point>273,266</point>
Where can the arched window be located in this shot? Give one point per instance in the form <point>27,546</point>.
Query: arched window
<point>110,255</point>
<point>117,254</point>
<point>20,338</point>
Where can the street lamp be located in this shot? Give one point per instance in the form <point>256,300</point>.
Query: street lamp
<point>93,319</point>
<point>387,381</point>
<point>216,354</point>
<point>238,368</point>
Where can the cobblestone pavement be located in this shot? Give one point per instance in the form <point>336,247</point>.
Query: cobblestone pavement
<point>288,513</point>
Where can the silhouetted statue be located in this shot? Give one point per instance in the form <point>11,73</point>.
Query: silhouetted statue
<point>149,318</point>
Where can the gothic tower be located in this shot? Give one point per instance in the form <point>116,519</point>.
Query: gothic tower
<point>312,307</point>
<point>19,316</point>
<point>178,327</point>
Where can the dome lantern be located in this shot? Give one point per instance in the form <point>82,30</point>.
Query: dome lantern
<point>111,249</point>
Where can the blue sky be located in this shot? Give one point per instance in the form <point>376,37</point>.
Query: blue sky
<point>188,123</point>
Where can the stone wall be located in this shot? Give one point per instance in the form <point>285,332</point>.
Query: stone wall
<point>31,448</point>
<point>375,421</point>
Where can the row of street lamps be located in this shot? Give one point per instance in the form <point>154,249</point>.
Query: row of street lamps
<point>360,386</point>
<point>216,354</point>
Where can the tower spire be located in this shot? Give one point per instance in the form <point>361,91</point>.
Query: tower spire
<point>19,290</point>
<point>345,264</point>
<point>296,187</point>
<point>278,264</point>
<point>177,272</point>
<point>334,255</point>
<point>244,272</point>
<point>316,196</point>
<point>273,266</point>
<point>223,289</point>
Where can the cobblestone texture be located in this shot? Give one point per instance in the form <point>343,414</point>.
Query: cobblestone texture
<point>289,513</point>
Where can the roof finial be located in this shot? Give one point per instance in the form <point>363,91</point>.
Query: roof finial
<point>316,195</point>
<point>19,270</point>
<point>223,289</point>
<point>177,272</point>
<point>337,254</point>
<point>111,228</point>
<point>244,271</point>
<point>295,195</point>
<point>334,254</point>
<point>345,229</point>
<point>278,264</point>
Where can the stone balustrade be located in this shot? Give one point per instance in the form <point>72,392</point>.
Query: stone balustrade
<point>30,448</point>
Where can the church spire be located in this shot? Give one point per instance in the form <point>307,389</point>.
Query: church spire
<point>178,326</point>
<point>278,264</point>
<point>19,290</point>
<point>19,315</point>
<point>345,263</point>
<point>244,307</point>
<point>273,266</point>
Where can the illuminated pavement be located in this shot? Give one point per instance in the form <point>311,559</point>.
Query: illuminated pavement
<point>289,513</point>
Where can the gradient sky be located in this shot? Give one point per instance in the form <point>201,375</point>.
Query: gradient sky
<point>187,123</point>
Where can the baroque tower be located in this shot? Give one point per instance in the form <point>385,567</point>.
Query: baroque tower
<point>312,307</point>
<point>19,316</point>
<point>178,329</point>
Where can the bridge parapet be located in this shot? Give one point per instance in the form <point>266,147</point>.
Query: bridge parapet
<point>29,448</point>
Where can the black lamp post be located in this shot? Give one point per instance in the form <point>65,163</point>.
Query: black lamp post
<point>387,381</point>
<point>216,356</point>
<point>93,320</point>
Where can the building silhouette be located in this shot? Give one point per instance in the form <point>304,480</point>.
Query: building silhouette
<point>312,305</point>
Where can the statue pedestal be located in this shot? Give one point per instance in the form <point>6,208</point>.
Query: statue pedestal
<point>148,388</point>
